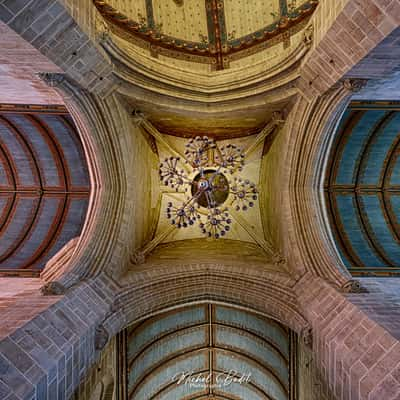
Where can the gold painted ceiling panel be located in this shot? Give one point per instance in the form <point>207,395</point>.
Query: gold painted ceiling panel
<point>243,17</point>
<point>136,10</point>
<point>187,22</point>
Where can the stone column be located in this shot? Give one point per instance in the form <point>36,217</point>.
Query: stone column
<point>357,356</point>
<point>52,348</point>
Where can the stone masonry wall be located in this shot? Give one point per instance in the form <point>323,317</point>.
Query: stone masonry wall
<point>381,303</point>
<point>20,301</point>
<point>357,358</point>
<point>19,62</point>
<point>47,357</point>
<point>352,30</point>
<point>49,27</point>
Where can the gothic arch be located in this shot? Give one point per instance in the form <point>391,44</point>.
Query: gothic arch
<point>156,290</point>
<point>310,130</point>
<point>96,125</point>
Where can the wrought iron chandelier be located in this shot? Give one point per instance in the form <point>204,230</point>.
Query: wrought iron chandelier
<point>212,187</point>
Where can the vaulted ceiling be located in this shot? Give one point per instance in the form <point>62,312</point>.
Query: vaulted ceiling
<point>246,225</point>
<point>363,188</point>
<point>44,186</point>
<point>207,67</point>
<point>208,341</point>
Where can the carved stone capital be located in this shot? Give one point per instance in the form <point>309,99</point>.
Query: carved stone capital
<point>308,35</point>
<point>103,36</point>
<point>353,286</point>
<point>138,117</point>
<point>52,79</point>
<point>53,289</point>
<point>354,85</point>
<point>101,337</point>
<point>138,258</point>
<point>278,117</point>
<point>306,336</point>
<point>278,259</point>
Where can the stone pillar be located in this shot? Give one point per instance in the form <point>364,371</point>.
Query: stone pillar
<point>51,350</point>
<point>356,354</point>
<point>62,41</point>
<point>311,385</point>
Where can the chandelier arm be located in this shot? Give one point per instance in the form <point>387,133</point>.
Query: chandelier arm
<point>219,155</point>
<point>209,200</point>
<point>190,200</point>
<point>215,174</point>
<point>179,174</point>
<point>185,179</point>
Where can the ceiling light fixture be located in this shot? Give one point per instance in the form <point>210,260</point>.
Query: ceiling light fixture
<point>212,187</point>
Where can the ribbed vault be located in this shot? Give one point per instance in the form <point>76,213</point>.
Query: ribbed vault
<point>194,353</point>
<point>363,189</point>
<point>44,186</point>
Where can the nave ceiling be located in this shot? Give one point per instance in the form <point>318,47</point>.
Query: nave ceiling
<point>213,341</point>
<point>362,188</point>
<point>44,186</point>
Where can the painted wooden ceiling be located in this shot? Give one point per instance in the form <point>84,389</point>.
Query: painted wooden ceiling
<point>363,188</point>
<point>208,341</point>
<point>44,186</point>
<point>207,31</point>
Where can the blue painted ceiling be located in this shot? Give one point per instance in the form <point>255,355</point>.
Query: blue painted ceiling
<point>363,189</point>
<point>44,188</point>
<point>208,340</point>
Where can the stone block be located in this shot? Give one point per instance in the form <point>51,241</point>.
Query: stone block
<point>56,10</point>
<point>28,15</point>
<point>16,6</point>
<point>5,14</point>
<point>16,355</point>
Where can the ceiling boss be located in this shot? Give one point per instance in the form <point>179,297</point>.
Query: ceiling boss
<point>212,187</point>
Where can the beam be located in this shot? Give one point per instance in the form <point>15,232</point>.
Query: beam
<point>277,119</point>
<point>139,257</point>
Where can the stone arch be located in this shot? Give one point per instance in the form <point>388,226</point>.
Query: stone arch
<point>309,130</point>
<point>309,133</point>
<point>157,290</point>
<point>361,189</point>
<point>96,125</point>
<point>311,126</point>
